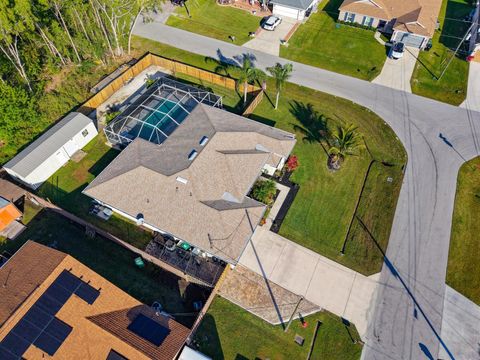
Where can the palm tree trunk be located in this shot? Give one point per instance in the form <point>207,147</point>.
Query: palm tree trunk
<point>276,100</point>
<point>245,90</point>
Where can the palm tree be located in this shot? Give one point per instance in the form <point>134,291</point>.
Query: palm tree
<point>248,73</point>
<point>264,191</point>
<point>281,73</point>
<point>346,141</point>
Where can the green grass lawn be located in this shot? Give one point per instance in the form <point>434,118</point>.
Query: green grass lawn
<point>213,20</point>
<point>452,87</point>
<point>65,187</point>
<point>463,271</point>
<point>320,216</point>
<point>230,332</point>
<point>346,50</point>
<point>114,263</point>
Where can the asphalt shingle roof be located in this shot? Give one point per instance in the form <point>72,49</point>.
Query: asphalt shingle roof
<point>296,4</point>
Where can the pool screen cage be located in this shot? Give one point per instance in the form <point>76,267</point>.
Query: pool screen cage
<point>158,112</point>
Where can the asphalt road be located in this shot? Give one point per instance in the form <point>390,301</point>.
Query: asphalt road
<point>407,318</point>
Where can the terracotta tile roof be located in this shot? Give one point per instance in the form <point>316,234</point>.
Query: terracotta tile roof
<point>415,16</point>
<point>8,214</point>
<point>24,272</point>
<point>117,322</point>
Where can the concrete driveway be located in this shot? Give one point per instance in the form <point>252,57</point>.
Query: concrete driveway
<point>269,41</point>
<point>396,74</point>
<point>319,280</point>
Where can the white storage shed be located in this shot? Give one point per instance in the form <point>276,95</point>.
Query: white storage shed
<point>42,158</point>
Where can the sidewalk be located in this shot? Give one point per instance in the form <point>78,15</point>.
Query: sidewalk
<point>321,281</point>
<point>472,102</point>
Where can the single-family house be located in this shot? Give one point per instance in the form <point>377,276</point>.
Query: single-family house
<point>188,167</point>
<point>54,307</point>
<point>296,9</point>
<point>42,158</point>
<point>412,22</point>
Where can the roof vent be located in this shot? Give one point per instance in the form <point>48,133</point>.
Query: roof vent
<point>193,154</point>
<point>182,180</point>
<point>203,140</point>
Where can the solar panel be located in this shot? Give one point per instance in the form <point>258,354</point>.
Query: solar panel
<point>113,355</point>
<point>15,344</point>
<point>47,343</point>
<point>149,329</point>
<point>58,329</point>
<point>39,325</point>
<point>87,293</point>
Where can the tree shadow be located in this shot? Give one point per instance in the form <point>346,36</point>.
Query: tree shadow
<point>314,126</point>
<point>207,338</point>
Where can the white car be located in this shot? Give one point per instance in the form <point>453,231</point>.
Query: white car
<point>397,50</point>
<point>271,22</point>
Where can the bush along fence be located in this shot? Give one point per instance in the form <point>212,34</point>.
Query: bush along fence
<point>168,64</point>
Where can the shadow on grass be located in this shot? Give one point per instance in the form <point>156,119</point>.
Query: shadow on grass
<point>103,162</point>
<point>208,339</point>
<point>262,120</point>
<point>453,29</point>
<point>313,126</point>
<point>331,8</point>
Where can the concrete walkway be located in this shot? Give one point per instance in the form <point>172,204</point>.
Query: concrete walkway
<point>405,324</point>
<point>473,90</point>
<point>322,281</point>
<point>396,74</point>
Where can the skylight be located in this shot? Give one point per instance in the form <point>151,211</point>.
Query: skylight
<point>193,154</point>
<point>203,140</point>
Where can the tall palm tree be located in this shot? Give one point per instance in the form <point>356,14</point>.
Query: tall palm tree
<point>248,73</point>
<point>346,141</point>
<point>281,73</point>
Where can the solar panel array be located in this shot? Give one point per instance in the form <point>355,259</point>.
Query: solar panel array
<point>39,326</point>
<point>149,329</point>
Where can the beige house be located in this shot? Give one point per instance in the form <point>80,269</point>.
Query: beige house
<point>412,22</point>
<point>194,185</point>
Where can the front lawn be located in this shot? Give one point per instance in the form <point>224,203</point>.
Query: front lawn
<point>114,263</point>
<point>463,271</point>
<point>452,87</point>
<point>216,21</point>
<point>344,49</point>
<point>326,204</point>
<point>230,332</point>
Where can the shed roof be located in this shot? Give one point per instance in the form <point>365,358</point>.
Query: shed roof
<point>48,143</point>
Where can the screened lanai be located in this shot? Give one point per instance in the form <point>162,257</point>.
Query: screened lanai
<point>158,112</point>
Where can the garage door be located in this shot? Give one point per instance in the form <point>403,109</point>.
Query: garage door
<point>285,11</point>
<point>410,39</point>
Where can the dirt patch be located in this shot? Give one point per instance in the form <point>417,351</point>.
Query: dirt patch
<point>56,79</point>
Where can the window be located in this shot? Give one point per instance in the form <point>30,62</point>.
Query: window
<point>350,17</point>
<point>85,133</point>
<point>367,21</point>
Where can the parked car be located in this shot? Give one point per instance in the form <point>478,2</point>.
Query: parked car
<point>396,50</point>
<point>271,22</point>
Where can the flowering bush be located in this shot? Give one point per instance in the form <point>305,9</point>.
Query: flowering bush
<point>292,163</point>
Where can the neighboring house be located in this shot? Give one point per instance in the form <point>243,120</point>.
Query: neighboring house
<point>42,158</point>
<point>52,306</point>
<point>192,183</point>
<point>296,9</point>
<point>412,22</point>
<point>8,213</point>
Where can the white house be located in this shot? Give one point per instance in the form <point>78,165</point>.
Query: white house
<point>296,9</point>
<point>42,158</point>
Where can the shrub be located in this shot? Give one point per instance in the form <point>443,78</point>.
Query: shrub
<point>292,163</point>
<point>264,191</point>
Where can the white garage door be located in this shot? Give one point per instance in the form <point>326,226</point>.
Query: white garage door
<point>285,11</point>
<point>410,39</point>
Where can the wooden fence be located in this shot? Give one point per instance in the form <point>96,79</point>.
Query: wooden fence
<point>251,107</point>
<point>168,64</point>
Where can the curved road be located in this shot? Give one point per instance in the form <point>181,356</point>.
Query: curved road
<point>406,319</point>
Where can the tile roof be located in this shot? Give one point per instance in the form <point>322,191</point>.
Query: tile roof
<point>210,210</point>
<point>34,268</point>
<point>23,273</point>
<point>8,214</point>
<point>415,16</point>
<point>117,322</point>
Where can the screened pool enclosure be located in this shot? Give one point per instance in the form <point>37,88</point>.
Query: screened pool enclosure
<point>157,112</point>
